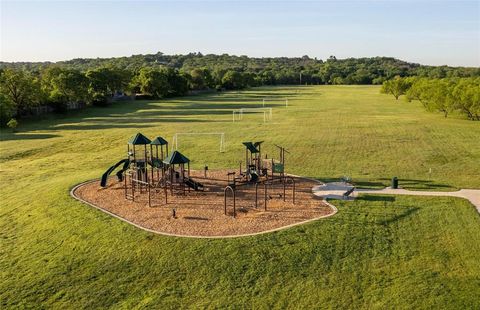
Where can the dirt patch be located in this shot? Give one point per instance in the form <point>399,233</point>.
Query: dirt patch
<point>202,213</point>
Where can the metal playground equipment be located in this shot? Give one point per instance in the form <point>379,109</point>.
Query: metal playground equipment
<point>150,172</point>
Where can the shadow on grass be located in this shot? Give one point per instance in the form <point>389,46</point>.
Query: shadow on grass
<point>120,123</point>
<point>414,184</point>
<point>19,136</point>
<point>376,198</point>
<point>398,217</point>
<point>117,114</point>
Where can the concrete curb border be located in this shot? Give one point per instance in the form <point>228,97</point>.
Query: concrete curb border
<point>72,193</point>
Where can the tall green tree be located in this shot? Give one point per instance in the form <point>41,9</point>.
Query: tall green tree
<point>466,97</point>
<point>20,90</point>
<point>7,109</point>
<point>197,79</point>
<point>178,82</point>
<point>439,94</point>
<point>397,86</point>
<point>233,80</point>
<point>152,82</point>
<point>107,80</point>
<point>63,86</point>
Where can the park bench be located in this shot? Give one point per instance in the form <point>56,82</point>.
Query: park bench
<point>348,193</point>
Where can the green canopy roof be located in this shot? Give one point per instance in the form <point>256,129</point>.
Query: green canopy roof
<point>139,139</point>
<point>251,147</point>
<point>159,141</point>
<point>176,158</point>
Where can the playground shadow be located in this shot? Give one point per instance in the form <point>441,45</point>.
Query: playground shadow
<point>196,218</point>
<point>17,136</point>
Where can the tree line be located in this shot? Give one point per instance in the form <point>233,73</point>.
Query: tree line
<point>446,95</point>
<point>24,85</point>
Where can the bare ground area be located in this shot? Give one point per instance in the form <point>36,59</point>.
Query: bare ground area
<point>202,213</point>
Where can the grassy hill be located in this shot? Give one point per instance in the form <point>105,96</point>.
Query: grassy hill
<point>377,252</point>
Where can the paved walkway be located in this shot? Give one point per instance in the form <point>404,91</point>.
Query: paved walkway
<point>336,190</point>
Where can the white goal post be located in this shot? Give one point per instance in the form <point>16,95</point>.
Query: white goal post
<point>237,115</point>
<point>220,134</point>
<point>275,100</point>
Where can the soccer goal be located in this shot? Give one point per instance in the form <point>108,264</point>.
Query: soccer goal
<point>237,115</point>
<point>265,100</point>
<point>220,135</point>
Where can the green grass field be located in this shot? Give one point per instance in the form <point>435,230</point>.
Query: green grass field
<point>377,252</point>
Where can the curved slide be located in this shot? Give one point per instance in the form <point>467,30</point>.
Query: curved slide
<point>125,162</point>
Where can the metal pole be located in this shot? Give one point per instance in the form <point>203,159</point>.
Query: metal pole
<point>265,189</point>
<point>149,198</point>
<point>225,200</point>
<point>166,192</point>
<point>293,190</point>
<point>125,185</point>
<point>234,207</point>
<point>256,195</point>
<point>151,159</point>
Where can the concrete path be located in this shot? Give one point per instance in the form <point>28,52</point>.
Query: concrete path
<point>335,191</point>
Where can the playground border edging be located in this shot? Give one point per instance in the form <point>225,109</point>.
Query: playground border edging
<point>74,188</point>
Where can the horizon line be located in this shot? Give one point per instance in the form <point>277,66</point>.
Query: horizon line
<point>234,55</point>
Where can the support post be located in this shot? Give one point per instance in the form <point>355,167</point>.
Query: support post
<point>265,189</point>
<point>229,188</point>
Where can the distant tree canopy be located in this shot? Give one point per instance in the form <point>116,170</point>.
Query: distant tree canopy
<point>95,81</point>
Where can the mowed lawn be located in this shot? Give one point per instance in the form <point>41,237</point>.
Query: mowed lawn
<point>377,252</point>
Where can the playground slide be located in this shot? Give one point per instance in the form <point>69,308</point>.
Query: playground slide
<point>253,177</point>
<point>125,162</point>
<point>193,184</point>
<point>120,172</point>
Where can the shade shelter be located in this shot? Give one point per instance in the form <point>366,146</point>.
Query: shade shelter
<point>139,157</point>
<point>258,146</point>
<point>156,157</point>
<point>253,157</point>
<point>177,177</point>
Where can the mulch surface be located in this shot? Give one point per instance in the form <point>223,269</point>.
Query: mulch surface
<point>202,213</point>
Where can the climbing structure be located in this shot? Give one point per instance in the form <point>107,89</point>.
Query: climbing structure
<point>150,171</point>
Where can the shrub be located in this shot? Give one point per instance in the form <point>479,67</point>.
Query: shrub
<point>13,124</point>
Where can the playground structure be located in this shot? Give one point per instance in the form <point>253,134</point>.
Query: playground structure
<point>151,174</point>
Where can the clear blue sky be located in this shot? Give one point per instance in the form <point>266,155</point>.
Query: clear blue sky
<point>427,32</point>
